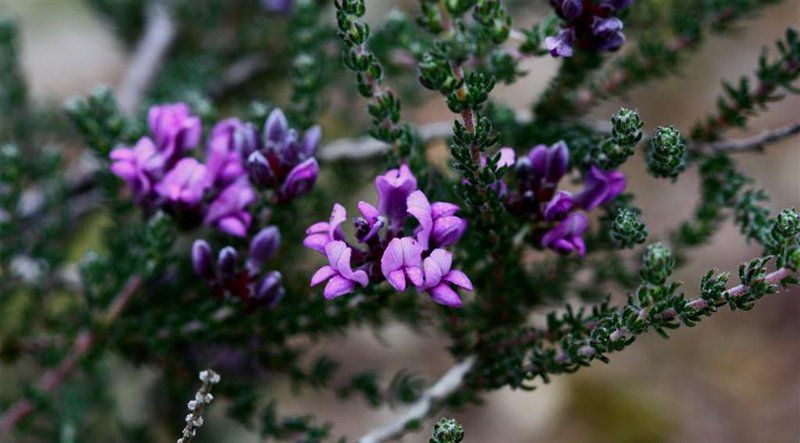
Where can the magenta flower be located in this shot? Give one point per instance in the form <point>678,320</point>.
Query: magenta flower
<point>223,158</point>
<point>300,180</point>
<point>174,130</point>
<point>394,187</point>
<point>439,277</point>
<point>589,25</point>
<point>567,236</point>
<point>133,165</point>
<point>370,222</point>
<point>438,225</point>
<point>559,206</point>
<point>340,275</point>
<point>549,164</point>
<point>320,234</point>
<point>600,187</point>
<point>227,211</point>
<point>401,259</point>
<point>185,183</point>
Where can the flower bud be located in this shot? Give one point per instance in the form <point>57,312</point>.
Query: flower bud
<point>628,229</point>
<point>626,127</point>
<point>786,225</point>
<point>299,180</point>
<point>657,264</point>
<point>447,430</point>
<point>259,170</point>
<point>226,261</point>
<point>666,156</point>
<point>270,291</point>
<point>202,262</point>
<point>264,245</point>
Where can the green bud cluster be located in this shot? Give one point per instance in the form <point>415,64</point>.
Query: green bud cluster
<point>783,240</point>
<point>626,132</point>
<point>657,264</point>
<point>494,20</point>
<point>447,430</point>
<point>666,156</point>
<point>628,228</point>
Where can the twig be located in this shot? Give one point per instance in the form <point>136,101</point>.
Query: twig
<point>158,35</point>
<point>430,402</point>
<point>202,399</point>
<point>238,73</point>
<point>752,143</point>
<point>366,147</point>
<point>83,343</point>
<point>773,278</point>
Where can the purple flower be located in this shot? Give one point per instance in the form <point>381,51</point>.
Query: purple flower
<point>185,183</point>
<point>507,157</point>
<point>439,277</point>
<point>223,158</point>
<point>228,212</point>
<point>133,165</point>
<point>569,10</point>
<point>260,171</point>
<point>300,180</point>
<point>567,236</point>
<point>558,207</point>
<point>341,277</point>
<point>600,187</point>
<point>174,129</point>
<point>284,142</point>
<point>607,33</point>
<point>320,234</point>
<point>588,25</point>
<point>394,187</point>
<point>269,292</point>
<point>264,245</point>
<point>548,164</point>
<point>437,224</point>
<point>202,261</point>
<point>402,258</point>
<point>370,222</point>
<point>561,44</point>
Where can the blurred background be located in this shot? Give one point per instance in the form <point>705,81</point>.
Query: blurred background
<point>733,378</point>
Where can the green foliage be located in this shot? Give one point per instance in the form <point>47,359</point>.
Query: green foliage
<point>628,228</point>
<point>666,156</point>
<point>458,48</point>
<point>742,100</point>
<point>447,430</point>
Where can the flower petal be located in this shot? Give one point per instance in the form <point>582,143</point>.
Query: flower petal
<point>445,295</point>
<point>459,279</point>
<point>322,274</point>
<point>338,286</point>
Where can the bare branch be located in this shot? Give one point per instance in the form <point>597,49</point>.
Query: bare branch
<point>752,143</point>
<point>157,37</point>
<point>84,342</point>
<point>367,147</point>
<point>430,402</point>
<point>238,73</point>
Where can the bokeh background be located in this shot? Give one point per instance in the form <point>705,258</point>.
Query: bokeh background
<point>734,378</point>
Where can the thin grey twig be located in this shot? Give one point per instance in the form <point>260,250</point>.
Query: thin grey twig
<point>367,147</point>
<point>238,73</point>
<point>751,143</point>
<point>428,404</point>
<point>157,37</point>
<point>201,400</point>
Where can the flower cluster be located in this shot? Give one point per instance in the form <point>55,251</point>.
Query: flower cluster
<point>589,24</point>
<point>250,284</point>
<point>161,173</point>
<point>282,160</point>
<point>386,252</point>
<point>558,224</point>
